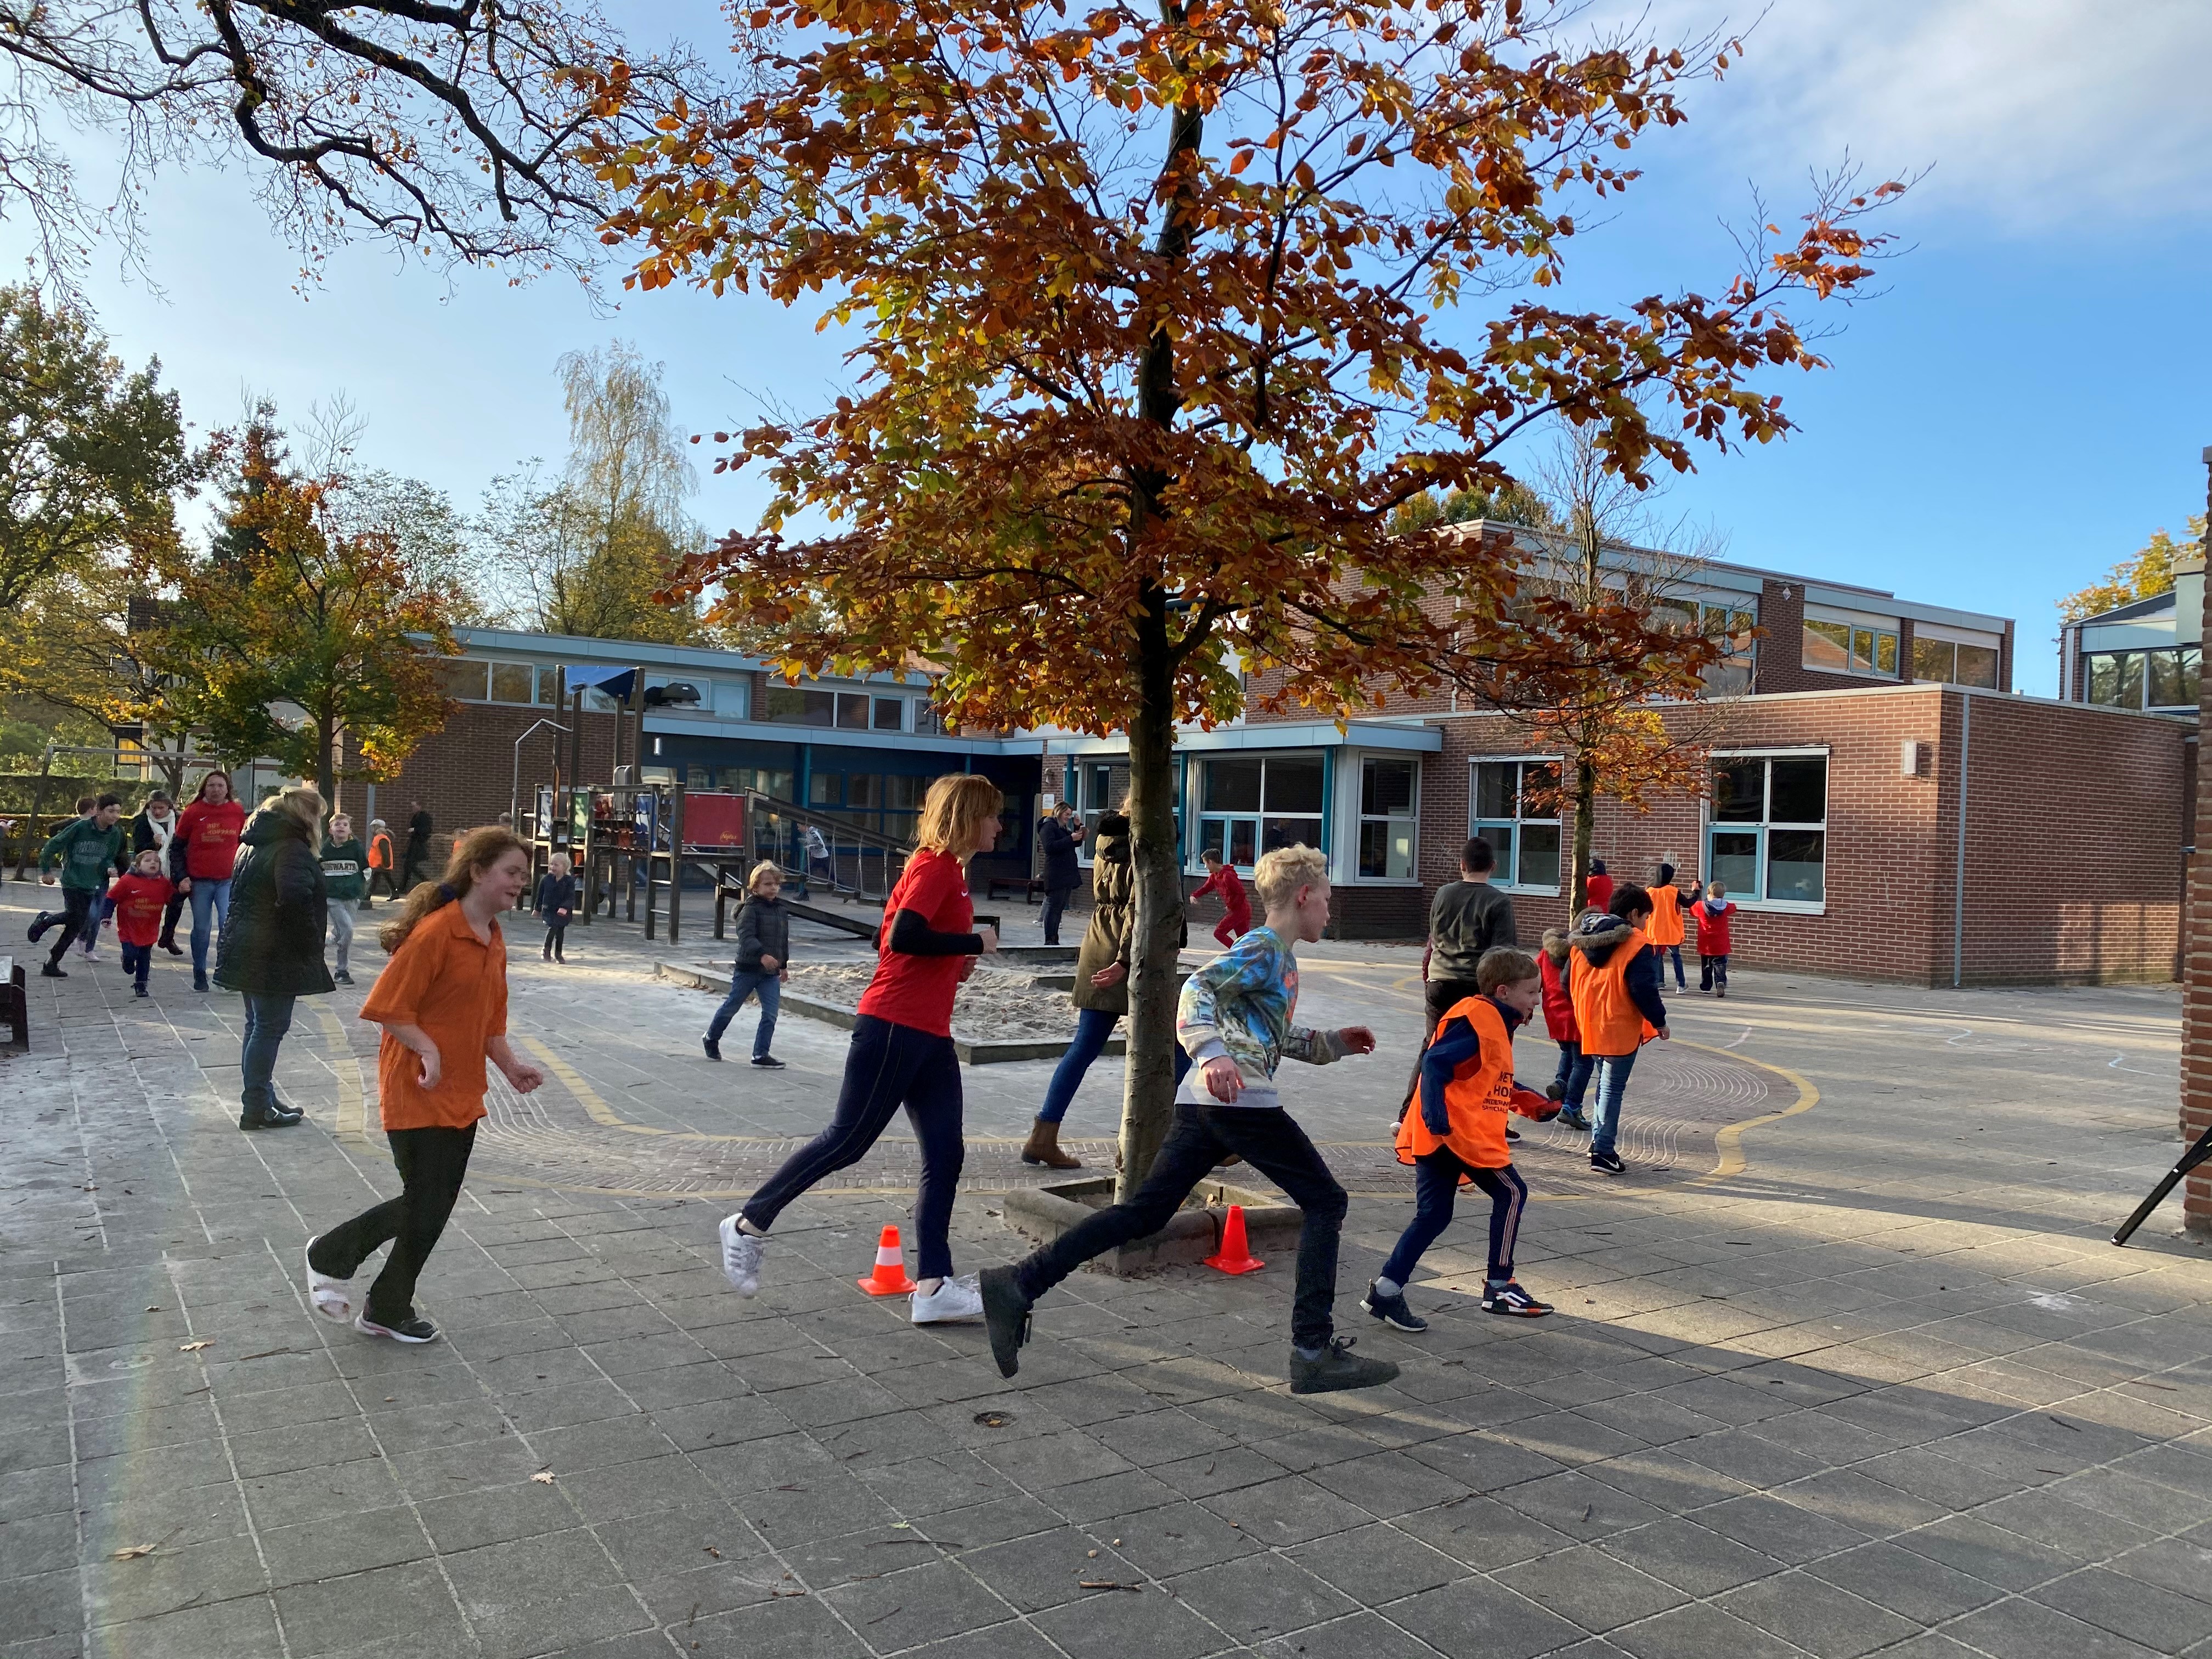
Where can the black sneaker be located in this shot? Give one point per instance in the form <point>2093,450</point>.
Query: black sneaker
<point>1393,1312</point>
<point>413,1328</point>
<point>768,1062</point>
<point>1573,1118</point>
<point>1607,1162</point>
<point>1512,1133</point>
<point>48,970</point>
<point>1509,1298</point>
<point>342,977</point>
<point>1005,1316</point>
<point>714,1048</point>
<point>199,981</point>
<point>138,990</point>
<point>1337,1368</point>
<point>268,1117</point>
<point>39,923</point>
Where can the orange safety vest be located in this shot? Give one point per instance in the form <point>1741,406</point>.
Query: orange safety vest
<point>1666,924</point>
<point>1610,1022</point>
<point>379,852</point>
<point>1478,1098</point>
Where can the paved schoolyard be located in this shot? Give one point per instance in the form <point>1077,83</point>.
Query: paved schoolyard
<point>1845,1366</point>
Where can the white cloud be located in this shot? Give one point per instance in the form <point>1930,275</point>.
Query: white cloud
<point>2033,112</point>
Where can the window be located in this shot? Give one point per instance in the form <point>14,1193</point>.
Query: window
<point>731,698</point>
<point>1732,675</point>
<point>463,677</point>
<point>513,682</point>
<point>852,711</point>
<point>927,722</point>
<point>1835,646</point>
<point>794,705</point>
<point>1767,840</point>
<point>1516,810</point>
<point>2166,679</point>
<point>890,714</point>
<point>549,685</point>
<point>764,780</point>
<point>1954,662</point>
<point>1390,824</point>
<point>1249,805</point>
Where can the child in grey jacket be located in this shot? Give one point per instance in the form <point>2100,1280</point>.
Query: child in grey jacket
<point>763,963</point>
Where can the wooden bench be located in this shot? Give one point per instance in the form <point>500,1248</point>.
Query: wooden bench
<point>15,1004</point>
<point>1027,888</point>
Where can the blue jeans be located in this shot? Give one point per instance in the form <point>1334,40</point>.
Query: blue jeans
<point>1055,907</point>
<point>887,1066</point>
<point>1681,983</point>
<point>1436,1189</point>
<point>207,896</point>
<point>1574,1074</point>
<point>137,959</point>
<point>267,1019</point>
<point>1092,1027</point>
<point>742,984</point>
<point>1612,1072</point>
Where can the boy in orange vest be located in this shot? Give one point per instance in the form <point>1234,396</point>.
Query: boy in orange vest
<point>1459,1135</point>
<point>1665,928</point>
<point>1615,986</point>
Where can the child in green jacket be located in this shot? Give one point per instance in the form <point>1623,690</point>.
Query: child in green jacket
<point>86,850</point>
<point>345,879</point>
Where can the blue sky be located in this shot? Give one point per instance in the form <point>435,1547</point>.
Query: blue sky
<point>2020,408</point>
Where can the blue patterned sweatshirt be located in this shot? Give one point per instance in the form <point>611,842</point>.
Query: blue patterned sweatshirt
<point>1243,1004</point>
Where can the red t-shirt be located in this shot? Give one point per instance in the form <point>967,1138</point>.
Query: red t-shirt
<point>139,902</point>
<point>917,991</point>
<point>1600,890</point>
<point>1712,930</point>
<point>209,830</point>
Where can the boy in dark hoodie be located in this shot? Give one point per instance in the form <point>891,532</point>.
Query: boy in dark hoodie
<point>763,963</point>
<point>345,879</point>
<point>1615,988</point>
<point>1458,1135</point>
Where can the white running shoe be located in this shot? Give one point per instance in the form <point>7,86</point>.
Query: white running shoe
<point>953,1298</point>
<point>332,1297</point>
<point>741,1257</point>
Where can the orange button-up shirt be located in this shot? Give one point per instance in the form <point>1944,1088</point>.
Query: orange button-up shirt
<point>454,985</point>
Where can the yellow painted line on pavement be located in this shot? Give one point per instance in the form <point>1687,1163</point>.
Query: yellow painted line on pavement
<point>353,1102</point>
<point>601,1113</point>
<point>1729,1141</point>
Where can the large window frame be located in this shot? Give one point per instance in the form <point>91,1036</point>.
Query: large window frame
<point>2134,679</point>
<point>1526,842</point>
<point>1286,804</point>
<point>1759,846</point>
<point>501,681</point>
<point>1938,659</point>
<point>1867,647</point>
<point>1389,844</point>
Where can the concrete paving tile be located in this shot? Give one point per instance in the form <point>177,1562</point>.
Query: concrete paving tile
<point>680,1598</point>
<point>1112,1625</point>
<point>1817,1616</point>
<point>2137,1501</point>
<point>2127,1607</point>
<point>1989,1553</point>
<point>1589,1587</point>
<point>440,1471</point>
<point>1476,1615</point>
<point>1690,1557</point>
<point>523,1630</point>
<point>347,1543</point>
<point>1288,1511</point>
<point>1924,1591</point>
<point>195,1514</point>
<point>624,1490</point>
<point>881,1549</point>
<point>2020,1629</point>
<point>1046,1570</point>
<point>1789,1533</point>
<point>1483,1532</point>
<point>1174,1538</point>
<point>243,1628</point>
<point>1872,1507</point>
<point>496,1515</point>
<point>828,1506</point>
<point>1259,1596</point>
<point>334,1615</point>
<point>1580,1507</point>
<point>1378,1563</point>
<point>1111,1495</point>
<point>906,1609</point>
<point>1699,1630</point>
<point>990,1523</point>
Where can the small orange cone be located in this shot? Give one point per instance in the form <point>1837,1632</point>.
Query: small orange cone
<point>890,1277</point>
<point>1235,1256</point>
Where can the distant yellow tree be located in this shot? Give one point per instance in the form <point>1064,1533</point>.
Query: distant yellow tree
<point>2147,575</point>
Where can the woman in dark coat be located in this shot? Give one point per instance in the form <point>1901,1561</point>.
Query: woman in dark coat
<point>1057,836</point>
<point>271,949</point>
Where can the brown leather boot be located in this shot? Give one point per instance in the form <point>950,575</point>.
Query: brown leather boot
<point>1043,1148</point>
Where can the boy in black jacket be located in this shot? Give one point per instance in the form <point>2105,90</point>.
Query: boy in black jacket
<point>763,963</point>
<point>557,904</point>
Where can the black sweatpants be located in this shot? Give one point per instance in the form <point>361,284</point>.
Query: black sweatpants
<point>432,1163</point>
<point>1273,1143</point>
<point>76,920</point>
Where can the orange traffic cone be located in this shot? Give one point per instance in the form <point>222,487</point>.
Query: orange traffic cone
<point>1235,1256</point>
<point>890,1277</point>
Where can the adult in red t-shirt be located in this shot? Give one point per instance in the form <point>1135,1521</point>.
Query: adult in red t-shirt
<point>902,1052</point>
<point>201,854</point>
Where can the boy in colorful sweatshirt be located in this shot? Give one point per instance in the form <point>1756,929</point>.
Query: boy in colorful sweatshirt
<point>1237,1021</point>
<point>85,851</point>
<point>1458,1135</point>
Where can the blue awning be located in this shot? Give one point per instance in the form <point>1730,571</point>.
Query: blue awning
<point>614,679</point>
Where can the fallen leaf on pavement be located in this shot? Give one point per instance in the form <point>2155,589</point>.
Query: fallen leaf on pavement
<point>544,1477</point>
<point>194,1347</point>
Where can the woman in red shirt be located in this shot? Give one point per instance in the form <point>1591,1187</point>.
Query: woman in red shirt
<point>902,1052</point>
<point>201,854</point>
<point>442,1002</point>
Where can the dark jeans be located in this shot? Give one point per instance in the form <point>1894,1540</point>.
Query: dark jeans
<point>391,883</point>
<point>1681,982</point>
<point>1712,971</point>
<point>1574,1074</point>
<point>1438,998</point>
<point>76,913</point>
<point>1612,1072</point>
<point>743,983</point>
<point>1436,1188</point>
<point>414,860</point>
<point>267,1019</point>
<point>1273,1143</point>
<point>1092,1028</point>
<point>887,1066</point>
<point>431,1164</point>
<point>136,960</point>
<point>556,935</point>
<point>176,908</point>
<point>1055,907</point>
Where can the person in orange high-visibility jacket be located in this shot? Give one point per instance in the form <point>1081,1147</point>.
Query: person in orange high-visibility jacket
<point>1615,987</point>
<point>1665,928</point>
<point>380,865</point>
<point>1456,1135</point>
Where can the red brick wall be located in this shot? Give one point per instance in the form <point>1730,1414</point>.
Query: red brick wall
<point>462,773</point>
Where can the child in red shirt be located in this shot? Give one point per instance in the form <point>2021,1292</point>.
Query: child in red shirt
<point>1223,879</point>
<point>1711,914</point>
<point>139,900</point>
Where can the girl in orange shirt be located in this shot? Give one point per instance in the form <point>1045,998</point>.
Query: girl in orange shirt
<point>442,1002</point>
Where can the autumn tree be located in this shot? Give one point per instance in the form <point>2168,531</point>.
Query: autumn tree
<point>591,551</point>
<point>310,644</point>
<point>2146,576</point>
<point>1160,314</point>
<point>445,127</point>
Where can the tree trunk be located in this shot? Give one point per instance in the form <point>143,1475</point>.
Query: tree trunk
<point>1585,830</point>
<point>326,738</point>
<point>1148,1082</point>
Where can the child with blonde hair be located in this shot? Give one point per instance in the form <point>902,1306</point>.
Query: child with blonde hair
<point>1237,1021</point>
<point>762,966</point>
<point>557,904</point>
